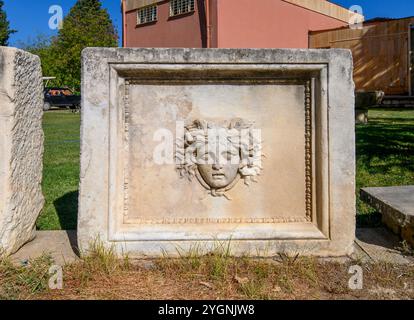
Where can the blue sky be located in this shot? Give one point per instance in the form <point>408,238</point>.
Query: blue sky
<point>31,17</point>
<point>381,8</point>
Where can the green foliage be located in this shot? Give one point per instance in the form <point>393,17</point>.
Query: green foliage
<point>41,46</point>
<point>5,30</point>
<point>86,25</point>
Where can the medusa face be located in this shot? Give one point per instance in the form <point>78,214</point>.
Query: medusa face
<point>235,153</point>
<point>219,171</point>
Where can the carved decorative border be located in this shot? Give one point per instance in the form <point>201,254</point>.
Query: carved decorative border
<point>308,150</point>
<point>180,220</point>
<point>126,147</point>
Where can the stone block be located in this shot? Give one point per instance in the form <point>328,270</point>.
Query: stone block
<point>282,120</point>
<point>396,205</point>
<point>21,147</point>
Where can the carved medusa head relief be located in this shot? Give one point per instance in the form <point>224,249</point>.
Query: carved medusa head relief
<point>219,154</point>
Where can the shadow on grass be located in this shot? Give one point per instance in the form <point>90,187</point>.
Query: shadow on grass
<point>392,143</point>
<point>67,210</point>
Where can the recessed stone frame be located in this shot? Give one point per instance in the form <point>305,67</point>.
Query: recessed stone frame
<point>331,231</point>
<point>308,159</point>
<point>125,75</point>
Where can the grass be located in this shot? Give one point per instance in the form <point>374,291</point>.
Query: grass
<point>385,155</point>
<point>384,147</point>
<point>103,275</point>
<point>24,281</point>
<point>60,170</point>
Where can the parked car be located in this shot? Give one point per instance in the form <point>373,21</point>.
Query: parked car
<point>61,98</point>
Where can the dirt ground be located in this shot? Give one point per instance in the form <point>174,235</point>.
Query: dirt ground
<point>211,277</point>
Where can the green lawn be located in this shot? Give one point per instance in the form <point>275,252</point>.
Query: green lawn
<point>60,170</point>
<point>385,157</point>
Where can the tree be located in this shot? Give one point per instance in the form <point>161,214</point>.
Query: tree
<point>5,30</point>
<point>86,25</point>
<point>40,45</point>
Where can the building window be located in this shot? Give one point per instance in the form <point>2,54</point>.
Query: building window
<point>147,14</point>
<point>178,7</point>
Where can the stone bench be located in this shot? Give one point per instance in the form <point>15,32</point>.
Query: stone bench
<point>396,204</point>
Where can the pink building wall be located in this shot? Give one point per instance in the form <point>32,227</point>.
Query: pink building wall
<point>267,24</point>
<point>184,31</point>
<point>234,24</point>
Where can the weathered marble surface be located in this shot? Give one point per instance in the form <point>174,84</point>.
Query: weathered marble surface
<point>301,100</point>
<point>396,204</point>
<point>21,147</point>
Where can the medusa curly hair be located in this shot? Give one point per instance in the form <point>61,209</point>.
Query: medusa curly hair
<point>236,135</point>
